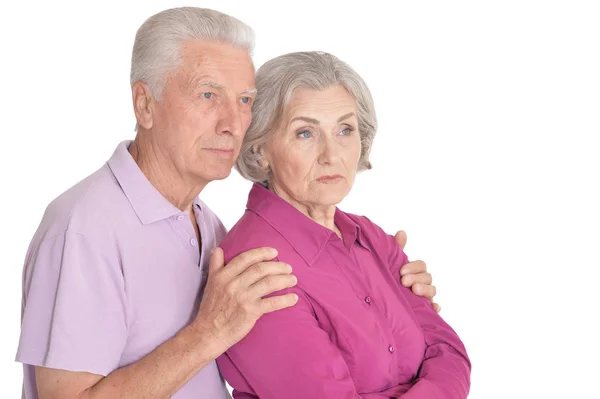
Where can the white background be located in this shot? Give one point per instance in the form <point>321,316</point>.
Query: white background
<point>487,155</point>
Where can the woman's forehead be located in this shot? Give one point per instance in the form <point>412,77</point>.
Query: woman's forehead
<point>327,105</point>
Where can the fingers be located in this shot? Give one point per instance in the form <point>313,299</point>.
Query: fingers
<point>246,259</point>
<point>415,276</point>
<point>217,260</point>
<point>401,238</point>
<point>414,267</point>
<point>271,284</point>
<point>274,303</point>
<point>427,291</point>
<point>421,278</point>
<point>266,278</point>
<point>436,307</point>
<point>262,270</point>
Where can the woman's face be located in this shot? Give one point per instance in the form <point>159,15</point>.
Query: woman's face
<point>314,154</point>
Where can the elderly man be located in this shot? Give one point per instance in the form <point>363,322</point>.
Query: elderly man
<point>115,272</point>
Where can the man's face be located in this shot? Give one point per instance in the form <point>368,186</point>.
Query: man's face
<point>205,110</point>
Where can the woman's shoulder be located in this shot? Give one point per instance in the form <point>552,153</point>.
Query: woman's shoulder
<point>252,231</point>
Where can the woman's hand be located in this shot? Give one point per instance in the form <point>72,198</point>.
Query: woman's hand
<point>414,275</point>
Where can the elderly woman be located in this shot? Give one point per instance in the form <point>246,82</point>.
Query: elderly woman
<point>355,331</point>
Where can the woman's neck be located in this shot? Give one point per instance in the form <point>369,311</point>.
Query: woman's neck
<point>321,214</point>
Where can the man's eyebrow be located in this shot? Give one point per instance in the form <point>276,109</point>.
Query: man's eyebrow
<point>201,82</point>
<point>209,84</point>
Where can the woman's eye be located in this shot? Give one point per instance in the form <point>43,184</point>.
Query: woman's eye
<point>304,135</point>
<point>246,100</point>
<point>208,95</point>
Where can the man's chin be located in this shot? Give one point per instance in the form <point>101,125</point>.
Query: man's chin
<point>220,174</point>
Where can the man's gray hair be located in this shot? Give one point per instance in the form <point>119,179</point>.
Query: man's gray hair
<point>276,82</point>
<point>157,46</point>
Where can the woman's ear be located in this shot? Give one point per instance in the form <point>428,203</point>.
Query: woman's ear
<point>262,160</point>
<point>263,163</point>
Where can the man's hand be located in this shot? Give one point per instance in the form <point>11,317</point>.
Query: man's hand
<point>231,305</point>
<point>233,299</point>
<point>415,275</point>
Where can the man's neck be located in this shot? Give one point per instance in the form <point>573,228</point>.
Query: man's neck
<point>161,172</point>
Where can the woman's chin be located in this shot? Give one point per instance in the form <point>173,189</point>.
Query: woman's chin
<point>329,198</point>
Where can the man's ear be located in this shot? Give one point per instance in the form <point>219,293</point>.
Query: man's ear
<point>143,104</point>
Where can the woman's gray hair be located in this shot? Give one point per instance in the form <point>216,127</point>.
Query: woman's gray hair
<point>276,82</point>
<point>157,46</point>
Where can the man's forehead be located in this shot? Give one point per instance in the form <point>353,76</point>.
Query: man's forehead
<point>231,68</point>
<point>197,79</point>
<point>200,52</point>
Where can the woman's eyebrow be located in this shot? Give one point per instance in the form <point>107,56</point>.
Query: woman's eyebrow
<point>316,122</point>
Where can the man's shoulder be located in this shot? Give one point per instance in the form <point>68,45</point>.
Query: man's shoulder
<point>86,205</point>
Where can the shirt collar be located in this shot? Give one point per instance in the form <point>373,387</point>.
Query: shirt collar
<point>149,205</point>
<point>307,237</point>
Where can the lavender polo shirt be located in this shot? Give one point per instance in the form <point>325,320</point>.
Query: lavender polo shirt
<point>113,271</point>
<point>355,332</point>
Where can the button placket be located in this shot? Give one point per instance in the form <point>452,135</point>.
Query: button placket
<point>183,227</point>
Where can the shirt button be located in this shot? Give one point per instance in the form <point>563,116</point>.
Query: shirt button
<point>368,300</point>
<point>180,217</point>
<point>193,242</point>
<point>391,349</point>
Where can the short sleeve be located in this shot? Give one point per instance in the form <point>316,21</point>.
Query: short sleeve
<point>74,307</point>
